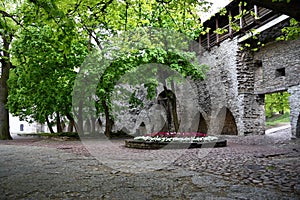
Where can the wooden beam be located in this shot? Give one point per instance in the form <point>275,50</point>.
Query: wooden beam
<point>291,9</point>
<point>241,19</point>
<point>256,12</point>
<point>208,42</point>
<point>229,27</point>
<point>200,43</point>
<point>217,26</point>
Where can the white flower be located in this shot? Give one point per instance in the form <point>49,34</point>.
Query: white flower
<point>177,139</point>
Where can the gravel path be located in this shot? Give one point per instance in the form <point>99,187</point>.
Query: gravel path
<point>252,167</point>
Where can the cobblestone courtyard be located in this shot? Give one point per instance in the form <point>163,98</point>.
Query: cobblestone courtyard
<point>252,167</point>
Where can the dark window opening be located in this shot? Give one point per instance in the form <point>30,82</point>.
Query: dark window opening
<point>258,63</point>
<point>21,127</point>
<point>280,72</point>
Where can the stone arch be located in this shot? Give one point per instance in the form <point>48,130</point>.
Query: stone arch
<point>167,99</point>
<point>228,126</point>
<point>202,126</point>
<point>298,127</point>
<point>142,129</point>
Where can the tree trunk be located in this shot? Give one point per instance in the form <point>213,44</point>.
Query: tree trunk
<point>49,125</point>
<point>108,121</point>
<point>100,124</point>
<point>175,116</point>
<point>70,127</point>
<point>72,123</point>
<point>281,103</point>
<point>172,99</point>
<point>174,107</point>
<point>4,113</point>
<point>93,124</point>
<point>79,123</point>
<point>58,123</point>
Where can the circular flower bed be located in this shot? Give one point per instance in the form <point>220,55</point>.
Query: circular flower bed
<point>175,140</point>
<point>177,137</point>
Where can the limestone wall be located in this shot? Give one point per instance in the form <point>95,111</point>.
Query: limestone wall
<point>219,90</point>
<point>253,116</point>
<point>231,98</point>
<point>231,83</point>
<point>294,101</point>
<point>279,66</point>
<point>151,116</point>
<point>278,69</point>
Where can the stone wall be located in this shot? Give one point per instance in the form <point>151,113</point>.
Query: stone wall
<point>279,66</point>
<point>294,101</point>
<point>218,94</point>
<point>239,79</point>
<point>253,112</point>
<point>151,116</point>
<point>231,98</point>
<point>227,99</point>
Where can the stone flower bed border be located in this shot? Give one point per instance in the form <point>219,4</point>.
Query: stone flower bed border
<point>175,141</point>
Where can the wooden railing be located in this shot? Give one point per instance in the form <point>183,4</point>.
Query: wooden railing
<point>255,17</point>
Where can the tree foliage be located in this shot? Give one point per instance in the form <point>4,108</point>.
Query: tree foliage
<point>49,40</point>
<point>276,103</point>
<point>41,85</point>
<point>46,51</point>
<point>53,39</point>
<point>143,47</point>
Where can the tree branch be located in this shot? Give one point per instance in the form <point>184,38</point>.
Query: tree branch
<point>5,14</point>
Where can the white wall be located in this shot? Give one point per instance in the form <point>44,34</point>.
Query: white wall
<point>15,126</point>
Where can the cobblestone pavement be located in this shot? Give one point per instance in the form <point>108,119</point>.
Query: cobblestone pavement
<point>252,167</point>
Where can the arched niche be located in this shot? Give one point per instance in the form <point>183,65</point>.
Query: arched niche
<point>167,99</point>
<point>202,126</point>
<point>142,129</point>
<point>229,126</point>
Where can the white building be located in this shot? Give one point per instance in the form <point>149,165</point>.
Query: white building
<point>17,126</point>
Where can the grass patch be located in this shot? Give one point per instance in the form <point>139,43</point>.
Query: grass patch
<point>278,119</point>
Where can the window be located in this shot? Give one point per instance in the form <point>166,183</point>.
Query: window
<point>258,63</point>
<point>280,72</point>
<point>21,127</point>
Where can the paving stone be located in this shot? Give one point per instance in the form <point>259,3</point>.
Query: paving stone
<point>41,170</point>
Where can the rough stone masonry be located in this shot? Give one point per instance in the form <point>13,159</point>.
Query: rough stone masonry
<point>239,79</point>
<point>230,101</point>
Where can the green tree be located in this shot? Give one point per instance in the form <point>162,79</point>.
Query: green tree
<point>276,103</point>
<point>9,22</point>
<point>105,20</point>
<point>41,85</point>
<point>124,60</point>
<point>62,26</point>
